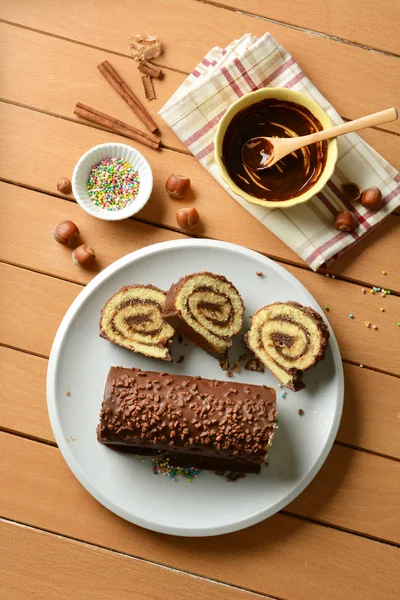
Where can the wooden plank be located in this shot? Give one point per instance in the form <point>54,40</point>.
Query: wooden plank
<point>352,484</point>
<point>23,394</point>
<point>75,570</point>
<point>370,415</point>
<point>23,403</point>
<point>356,21</point>
<point>53,75</point>
<point>31,320</point>
<point>27,135</point>
<point>317,562</point>
<point>35,215</point>
<point>340,71</point>
<point>31,325</point>
<point>36,67</point>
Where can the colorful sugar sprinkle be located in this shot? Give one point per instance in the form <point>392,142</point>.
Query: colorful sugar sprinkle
<point>383,272</point>
<point>382,309</point>
<point>374,327</point>
<point>363,291</point>
<point>326,308</point>
<point>351,316</point>
<point>113,184</point>
<point>162,466</point>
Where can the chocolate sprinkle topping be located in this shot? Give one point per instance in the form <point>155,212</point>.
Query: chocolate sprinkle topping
<point>229,428</point>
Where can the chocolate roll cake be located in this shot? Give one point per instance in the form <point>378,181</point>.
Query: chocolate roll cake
<point>206,308</point>
<point>199,422</point>
<point>132,319</point>
<point>288,338</point>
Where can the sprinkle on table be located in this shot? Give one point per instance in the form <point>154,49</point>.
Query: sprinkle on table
<point>382,309</point>
<point>384,273</point>
<point>367,324</point>
<point>326,308</point>
<point>113,184</point>
<point>398,324</point>
<point>363,291</point>
<point>374,327</point>
<point>351,316</point>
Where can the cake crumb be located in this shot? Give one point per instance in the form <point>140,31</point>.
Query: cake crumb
<point>236,364</point>
<point>68,393</point>
<point>180,359</point>
<point>230,475</point>
<point>224,364</point>
<point>259,273</point>
<point>301,412</point>
<point>253,364</point>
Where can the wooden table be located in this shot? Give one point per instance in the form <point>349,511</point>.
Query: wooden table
<point>338,539</point>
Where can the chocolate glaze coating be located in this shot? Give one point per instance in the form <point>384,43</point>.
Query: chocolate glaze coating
<point>294,174</point>
<point>205,423</point>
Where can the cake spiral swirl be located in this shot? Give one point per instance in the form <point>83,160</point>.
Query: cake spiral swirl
<point>132,318</point>
<point>288,338</point>
<point>206,308</point>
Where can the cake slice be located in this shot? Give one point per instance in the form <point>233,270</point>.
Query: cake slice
<point>288,338</point>
<point>132,319</point>
<point>207,309</point>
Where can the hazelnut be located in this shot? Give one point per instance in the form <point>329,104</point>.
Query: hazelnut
<point>64,185</point>
<point>82,254</point>
<point>372,198</point>
<point>65,232</point>
<point>187,218</point>
<point>177,186</point>
<point>345,221</point>
<point>352,191</point>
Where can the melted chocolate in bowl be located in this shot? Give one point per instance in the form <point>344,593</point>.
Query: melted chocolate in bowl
<point>292,175</point>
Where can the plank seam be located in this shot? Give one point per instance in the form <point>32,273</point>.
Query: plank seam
<point>346,361</point>
<point>373,452</point>
<point>346,279</point>
<point>313,520</point>
<point>313,32</point>
<point>86,124</point>
<point>100,128</point>
<point>340,528</point>
<point>86,44</point>
<point>137,558</point>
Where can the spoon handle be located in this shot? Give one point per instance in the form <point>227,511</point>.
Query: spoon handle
<point>383,116</point>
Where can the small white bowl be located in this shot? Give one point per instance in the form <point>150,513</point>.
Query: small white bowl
<point>81,173</point>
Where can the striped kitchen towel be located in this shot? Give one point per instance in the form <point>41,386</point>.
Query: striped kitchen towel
<point>249,64</point>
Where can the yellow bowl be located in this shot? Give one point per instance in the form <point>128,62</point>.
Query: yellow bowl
<point>290,96</point>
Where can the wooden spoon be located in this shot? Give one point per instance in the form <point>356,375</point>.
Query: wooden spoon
<point>260,153</point>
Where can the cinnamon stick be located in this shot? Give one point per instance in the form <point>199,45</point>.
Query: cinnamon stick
<point>149,136</point>
<point>116,81</point>
<point>115,126</point>
<point>150,69</point>
<point>148,87</point>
